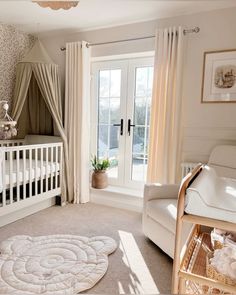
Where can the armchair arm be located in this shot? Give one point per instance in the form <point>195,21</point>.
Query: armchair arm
<point>160,191</point>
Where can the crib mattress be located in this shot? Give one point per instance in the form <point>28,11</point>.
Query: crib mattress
<point>35,171</point>
<point>212,196</point>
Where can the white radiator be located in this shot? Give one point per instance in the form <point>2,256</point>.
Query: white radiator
<point>187,167</point>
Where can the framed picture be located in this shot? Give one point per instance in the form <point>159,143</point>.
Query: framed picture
<point>219,76</point>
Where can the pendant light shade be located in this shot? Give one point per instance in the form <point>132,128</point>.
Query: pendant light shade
<point>55,5</point>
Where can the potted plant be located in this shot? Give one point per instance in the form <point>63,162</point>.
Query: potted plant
<point>99,176</point>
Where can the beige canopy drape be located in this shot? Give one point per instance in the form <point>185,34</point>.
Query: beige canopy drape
<point>35,117</point>
<point>165,124</point>
<point>38,65</point>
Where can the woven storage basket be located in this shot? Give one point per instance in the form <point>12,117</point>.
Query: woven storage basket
<point>212,273</point>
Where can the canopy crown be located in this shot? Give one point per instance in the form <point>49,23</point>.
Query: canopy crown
<point>37,54</point>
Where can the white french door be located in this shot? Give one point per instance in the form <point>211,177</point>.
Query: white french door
<point>121,100</point>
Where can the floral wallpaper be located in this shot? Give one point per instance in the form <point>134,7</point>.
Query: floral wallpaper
<point>14,45</point>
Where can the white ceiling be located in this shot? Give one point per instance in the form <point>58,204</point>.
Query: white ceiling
<point>93,14</point>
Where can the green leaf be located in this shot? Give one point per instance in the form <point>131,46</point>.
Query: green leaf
<point>100,164</point>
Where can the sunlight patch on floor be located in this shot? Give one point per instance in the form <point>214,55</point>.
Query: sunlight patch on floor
<point>140,278</point>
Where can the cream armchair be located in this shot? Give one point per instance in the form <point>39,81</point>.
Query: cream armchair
<point>159,215</point>
<point>160,201</point>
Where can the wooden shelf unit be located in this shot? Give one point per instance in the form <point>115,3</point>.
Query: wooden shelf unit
<point>189,269</point>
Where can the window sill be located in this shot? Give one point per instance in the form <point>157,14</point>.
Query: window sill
<point>118,197</point>
<point>120,190</point>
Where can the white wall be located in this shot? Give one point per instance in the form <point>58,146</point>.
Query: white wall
<point>205,125</point>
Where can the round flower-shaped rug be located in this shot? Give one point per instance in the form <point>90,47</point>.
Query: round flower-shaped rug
<point>55,264</point>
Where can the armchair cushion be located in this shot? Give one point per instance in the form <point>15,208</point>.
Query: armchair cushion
<point>163,211</point>
<point>160,191</point>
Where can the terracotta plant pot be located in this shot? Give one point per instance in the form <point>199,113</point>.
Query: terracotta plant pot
<point>99,179</point>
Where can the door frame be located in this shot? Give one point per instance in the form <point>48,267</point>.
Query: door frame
<point>133,64</point>
<point>128,64</point>
<point>96,67</point>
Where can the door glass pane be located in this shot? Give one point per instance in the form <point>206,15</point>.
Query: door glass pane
<point>138,140</point>
<point>141,81</point>
<point>148,109</point>
<point>115,83</point>
<point>115,110</point>
<point>103,110</point>
<point>150,81</point>
<point>138,168</point>
<point>113,151</point>
<point>103,140</point>
<point>140,111</point>
<point>109,114</point>
<point>142,102</point>
<point>104,77</point>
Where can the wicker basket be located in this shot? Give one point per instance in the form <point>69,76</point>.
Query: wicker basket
<point>212,273</point>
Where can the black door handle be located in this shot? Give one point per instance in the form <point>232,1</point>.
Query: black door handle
<point>129,126</point>
<point>120,125</point>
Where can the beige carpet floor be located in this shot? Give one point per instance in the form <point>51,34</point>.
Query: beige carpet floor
<point>137,267</point>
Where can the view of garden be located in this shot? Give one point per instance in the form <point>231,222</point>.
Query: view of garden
<point>109,114</point>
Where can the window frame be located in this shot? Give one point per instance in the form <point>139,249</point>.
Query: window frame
<point>128,64</point>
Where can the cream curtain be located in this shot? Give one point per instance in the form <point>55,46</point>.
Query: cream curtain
<point>165,123</point>
<point>77,119</point>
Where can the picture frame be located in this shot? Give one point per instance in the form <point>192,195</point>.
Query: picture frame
<point>219,77</point>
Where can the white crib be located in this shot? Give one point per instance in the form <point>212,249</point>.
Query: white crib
<point>31,176</point>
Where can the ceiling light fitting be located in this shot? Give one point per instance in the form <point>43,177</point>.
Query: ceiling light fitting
<point>55,5</point>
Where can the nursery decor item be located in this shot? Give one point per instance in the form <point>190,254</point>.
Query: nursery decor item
<point>219,76</point>
<point>99,176</point>
<point>7,124</point>
<point>55,264</point>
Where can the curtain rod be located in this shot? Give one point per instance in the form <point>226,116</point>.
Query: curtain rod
<point>186,31</point>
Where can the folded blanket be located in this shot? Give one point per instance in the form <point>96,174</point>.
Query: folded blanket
<point>224,261</point>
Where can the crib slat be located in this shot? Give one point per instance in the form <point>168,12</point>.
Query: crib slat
<point>4,180</point>
<point>56,163</point>
<point>60,166</point>
<point>41,170</point>
<point>24,174</point>
<point>36,171</point>
<point>46,168</point>
<point>11,176</point>
<point>18,175</point>
<point>30,173</point>
<point>46,156</point>
<point>51,169</point>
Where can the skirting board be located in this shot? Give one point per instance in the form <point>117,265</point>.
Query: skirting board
<point>117,200</point>
<point>21,213</point>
